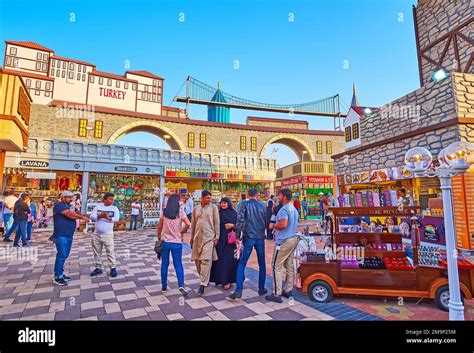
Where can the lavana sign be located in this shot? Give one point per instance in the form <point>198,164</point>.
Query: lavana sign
<point>37,336</point>
<point>38,164</point>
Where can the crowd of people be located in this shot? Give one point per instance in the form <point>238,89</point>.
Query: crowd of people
<point>222,238</point>
<point>19,214</point>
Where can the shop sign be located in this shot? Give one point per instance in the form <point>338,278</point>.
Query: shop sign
<point>40,175</point>
<point>35,164</point>
<point>112,93</point>
<point>291,181</point>
<point>126,169</point>
<point>315,179</point>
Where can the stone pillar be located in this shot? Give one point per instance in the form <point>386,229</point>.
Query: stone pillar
<point>162,191</point>
<point>85,189</point>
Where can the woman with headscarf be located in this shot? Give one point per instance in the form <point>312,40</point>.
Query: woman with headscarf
<point>224,270</point>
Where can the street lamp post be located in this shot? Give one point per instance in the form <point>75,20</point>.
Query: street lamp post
<point>275,150</point>
<point>166,137</point>
<point>455,159</point>
<point>303,154</point>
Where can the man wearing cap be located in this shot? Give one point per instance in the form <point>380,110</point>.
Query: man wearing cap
<point>64,227</point>
<point>105,215</point>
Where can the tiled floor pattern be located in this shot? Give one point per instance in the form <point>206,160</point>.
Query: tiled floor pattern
<point>368,308</point>
<point>27,292</point>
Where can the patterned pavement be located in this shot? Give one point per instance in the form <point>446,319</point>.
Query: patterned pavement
<point>27,292</point>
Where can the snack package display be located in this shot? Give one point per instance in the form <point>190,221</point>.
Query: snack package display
<point>376,198</point>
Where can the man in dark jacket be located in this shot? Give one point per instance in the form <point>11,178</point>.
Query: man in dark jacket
<point>21,210</point>
<point>251,225</point>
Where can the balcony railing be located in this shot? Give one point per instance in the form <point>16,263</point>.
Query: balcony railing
<point>80,151</point>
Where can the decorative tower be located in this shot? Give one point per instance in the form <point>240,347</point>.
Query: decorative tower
<point>443,32</point>
<point>218,113</point>
<point>355,101</point>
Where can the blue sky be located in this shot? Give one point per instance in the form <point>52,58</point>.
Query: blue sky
<point>287,51</point>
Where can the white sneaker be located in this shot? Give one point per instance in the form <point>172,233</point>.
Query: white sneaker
<point>183,291</point>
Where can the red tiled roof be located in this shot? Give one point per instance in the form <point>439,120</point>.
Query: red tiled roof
<point>72,60</point>
<point>144,74</point>
<point>106,110</point>
<point>172,109</point>
<point>27,74</point>
<point>109,75</point>
<point>360,110</point>
<point>31,45</point>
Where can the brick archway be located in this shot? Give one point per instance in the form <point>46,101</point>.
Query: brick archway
<point>152,127</point>
<point>297,145</point>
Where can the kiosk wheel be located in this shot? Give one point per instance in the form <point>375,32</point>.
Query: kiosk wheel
<point>442,298</point>
<point>320,291</point>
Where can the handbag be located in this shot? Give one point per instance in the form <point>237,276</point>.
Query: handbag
<point>158,248</point>
<point>231,238</point>
<point>159,242</point>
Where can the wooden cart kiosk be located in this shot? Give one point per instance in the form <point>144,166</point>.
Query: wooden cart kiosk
<point>322,279</point>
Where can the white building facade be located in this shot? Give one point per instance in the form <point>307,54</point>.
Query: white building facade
<point>49,77</point>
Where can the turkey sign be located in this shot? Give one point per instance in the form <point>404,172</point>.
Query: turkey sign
<point>112,93</point>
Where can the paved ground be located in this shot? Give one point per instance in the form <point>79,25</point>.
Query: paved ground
<point>26,291</point>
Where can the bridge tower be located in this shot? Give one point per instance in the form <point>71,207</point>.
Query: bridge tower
<point>218,113</point>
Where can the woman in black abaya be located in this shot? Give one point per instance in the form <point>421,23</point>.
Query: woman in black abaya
<point>225,268</point>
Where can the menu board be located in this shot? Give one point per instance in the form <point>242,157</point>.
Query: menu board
<point>463,204</point>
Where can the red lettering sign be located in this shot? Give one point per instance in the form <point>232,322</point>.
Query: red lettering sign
<point>318,179</point>
<point>291,181</point>
<point>112,93</point>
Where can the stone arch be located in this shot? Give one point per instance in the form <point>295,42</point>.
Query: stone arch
<point>153,127</point>
<point>292,141</point>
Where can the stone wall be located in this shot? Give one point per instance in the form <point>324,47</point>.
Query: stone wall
<point>453,98</point>
<point>435,19</point>
<point>48,122</point>
<point>393,154</point>
<point>464,84</point>
<point>429,105</point>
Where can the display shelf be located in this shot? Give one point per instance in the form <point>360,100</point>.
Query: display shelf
<point>384,253</point>
<point>371,237</point>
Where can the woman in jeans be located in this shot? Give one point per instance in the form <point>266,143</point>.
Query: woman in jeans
<point>170,232</point>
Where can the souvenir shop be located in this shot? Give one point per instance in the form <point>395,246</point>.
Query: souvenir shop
<point>43,187</point>
<point>44,179</point>
<point>221,182</point>
<point>313,187</point>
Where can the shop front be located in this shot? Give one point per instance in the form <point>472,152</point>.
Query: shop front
<point>310,186</point>
<point>357,189</point>
<point>42,184</point>
<point>131,173</point>
<point>221,182</point>
<point>50,167</point>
